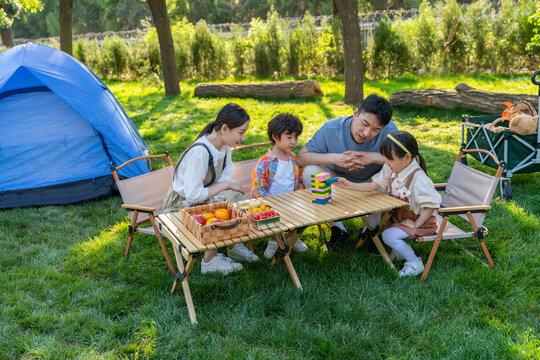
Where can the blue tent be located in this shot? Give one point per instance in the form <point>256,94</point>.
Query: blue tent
<point>61,129</point>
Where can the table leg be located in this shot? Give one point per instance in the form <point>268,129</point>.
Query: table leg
<point>182,277</point>
<point>287,261</point>
<point>384,218</point>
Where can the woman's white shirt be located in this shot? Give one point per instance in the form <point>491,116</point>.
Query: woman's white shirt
<point>190,174</point>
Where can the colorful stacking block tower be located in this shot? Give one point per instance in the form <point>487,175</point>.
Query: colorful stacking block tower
<point>321,190</point>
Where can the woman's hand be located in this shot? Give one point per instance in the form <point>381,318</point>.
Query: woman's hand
<point>235,185</point>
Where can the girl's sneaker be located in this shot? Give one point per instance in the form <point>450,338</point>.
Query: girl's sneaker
<point>221,264</point>
<point>412,268</point>
<point>241,253</point>
<point>271,249</point>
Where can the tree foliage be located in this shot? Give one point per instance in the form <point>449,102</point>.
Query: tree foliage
<point>12,9</point>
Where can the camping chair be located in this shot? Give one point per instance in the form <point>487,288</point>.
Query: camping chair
<point>467,194</point>
<point>143,199</point>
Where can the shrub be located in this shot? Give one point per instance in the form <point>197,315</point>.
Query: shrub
<point>183,33</point>
<point>479,34</point>
<point>267,42</point>
<point>208,55</point>
<point>388,53</point>
<point>114,56</point>
<point>293,53</point>
<point>240,52</point>
<point>504,32</point>
<point>454,48</point>
<point>426,39</point>
<point>528,57</point>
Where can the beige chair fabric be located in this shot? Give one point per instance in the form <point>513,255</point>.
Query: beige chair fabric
<point>242,174</point>
<point>469,187</point>
<point>146,190</point>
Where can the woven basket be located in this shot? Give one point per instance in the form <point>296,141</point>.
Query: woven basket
<point>218,231</point>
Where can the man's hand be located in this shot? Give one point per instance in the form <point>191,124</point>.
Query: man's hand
<point>362,158</point>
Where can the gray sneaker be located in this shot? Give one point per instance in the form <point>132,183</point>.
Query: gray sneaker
<point>221,264</point>
<point>271,249</point>
<point>241,253</point>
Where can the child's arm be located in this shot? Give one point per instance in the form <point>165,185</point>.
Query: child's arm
<point>424,215</point>
<point>346,184</point>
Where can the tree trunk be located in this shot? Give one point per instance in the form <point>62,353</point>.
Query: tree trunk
<point>158,8</point>
<point>66,23</point>
<point>463,96</point>
<point>269,90</point>
<point>7,37</point>
<point>352,49</point>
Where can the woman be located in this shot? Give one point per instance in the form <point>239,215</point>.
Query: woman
<point>203,174</point>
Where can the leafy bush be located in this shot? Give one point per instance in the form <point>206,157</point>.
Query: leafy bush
<point>268,51</point>
<point>208,55</point>
<point>240,52</point>
<point>182,33</point>
<point>454,47</point>
<point>426,39</point>
<point>114,56</point>
<point>388,53</point>
<point>479,34</point>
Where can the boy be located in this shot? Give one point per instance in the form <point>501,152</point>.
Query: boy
<point>277,171</point>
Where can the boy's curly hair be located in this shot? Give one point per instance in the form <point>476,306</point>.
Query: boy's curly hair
<point>284,123</point>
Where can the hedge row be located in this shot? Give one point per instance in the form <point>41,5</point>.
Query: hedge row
<point>442,38</point>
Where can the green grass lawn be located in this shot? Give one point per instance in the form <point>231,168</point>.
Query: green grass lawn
<point>68,292</point>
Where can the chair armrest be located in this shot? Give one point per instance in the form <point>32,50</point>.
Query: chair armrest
<point>440,186</point>
<point>138,208</point>
<point>464,209</point>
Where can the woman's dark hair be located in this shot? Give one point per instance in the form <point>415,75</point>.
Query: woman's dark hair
<point>284,123</point>
<point>389,147</point>
<point>232,115</point>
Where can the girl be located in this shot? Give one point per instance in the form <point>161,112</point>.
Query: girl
<point>404,178</point>
<point>203,174</point>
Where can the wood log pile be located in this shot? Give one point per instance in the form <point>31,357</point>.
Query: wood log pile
<point>462,96</point>
<point>269,90</point>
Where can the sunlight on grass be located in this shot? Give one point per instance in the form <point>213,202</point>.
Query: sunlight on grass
<point>68,291</point>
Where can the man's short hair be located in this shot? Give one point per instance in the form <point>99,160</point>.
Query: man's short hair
<point>284,123</point>
<point>379,106</point>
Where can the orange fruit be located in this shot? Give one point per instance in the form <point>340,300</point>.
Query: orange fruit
<point>208,215</point>
<point>222,214</point>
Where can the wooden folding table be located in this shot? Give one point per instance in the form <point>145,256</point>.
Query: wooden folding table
<point>296,210</point>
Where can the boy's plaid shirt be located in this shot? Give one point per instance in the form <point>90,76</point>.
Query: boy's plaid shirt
<point>263,174</point>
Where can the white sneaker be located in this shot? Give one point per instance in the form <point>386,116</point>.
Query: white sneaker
<point>412,268</point>
<point>395,256</point>
<point>241,253</point>
<point>299,246</point>
<point>220,263</point>
<point>271,249</point>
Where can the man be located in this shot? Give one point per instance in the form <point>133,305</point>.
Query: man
<point>349,147</point>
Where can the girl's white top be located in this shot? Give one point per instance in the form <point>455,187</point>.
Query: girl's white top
<point>421,192</point>
<point>189,176</point>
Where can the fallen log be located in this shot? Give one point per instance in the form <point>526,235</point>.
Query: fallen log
<point>462,96</point>
<point>270,90</point>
